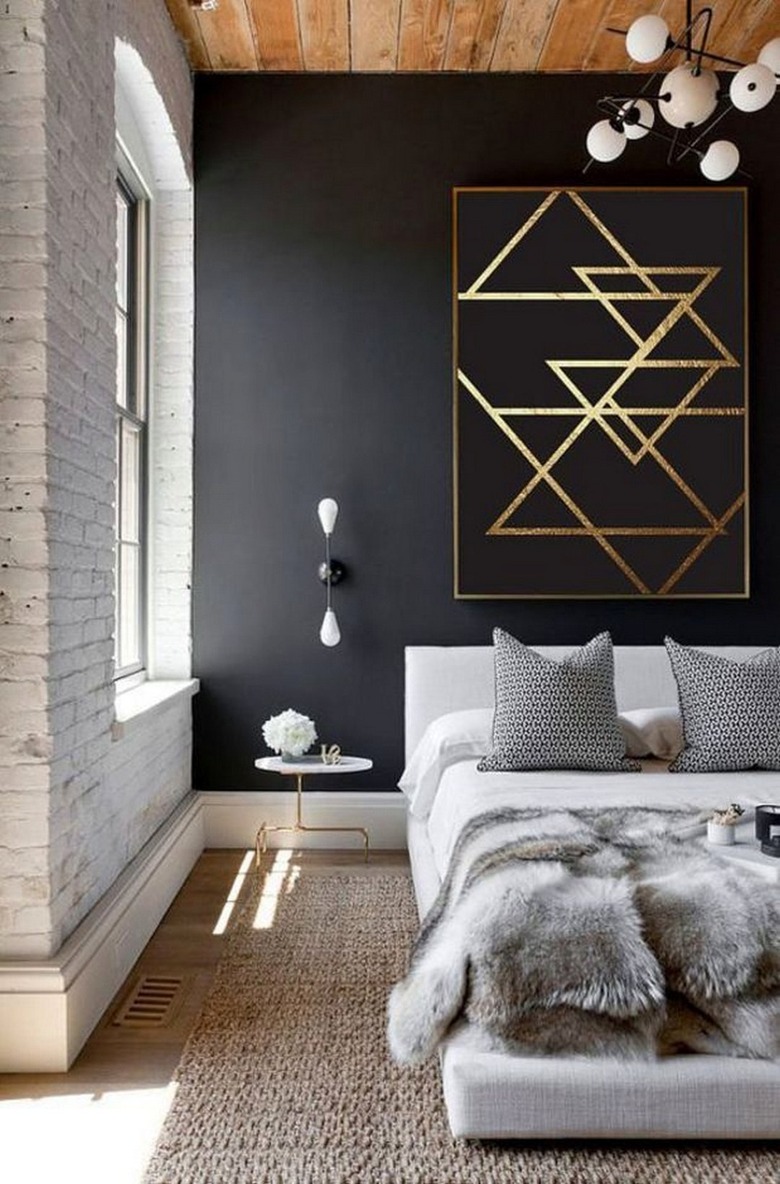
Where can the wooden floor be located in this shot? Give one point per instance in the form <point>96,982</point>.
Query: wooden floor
<point>98,1122</point>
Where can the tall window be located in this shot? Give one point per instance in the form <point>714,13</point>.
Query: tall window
<point>131,384</point>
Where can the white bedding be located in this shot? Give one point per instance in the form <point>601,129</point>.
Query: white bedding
<point>496,1095</point>
<point>463,793</point>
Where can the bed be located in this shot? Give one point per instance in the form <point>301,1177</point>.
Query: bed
<point>491,1094</point>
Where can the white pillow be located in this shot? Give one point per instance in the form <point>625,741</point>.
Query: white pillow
<point>457,736</point>
<point>652,731</point>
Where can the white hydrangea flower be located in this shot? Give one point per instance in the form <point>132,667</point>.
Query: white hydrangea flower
<point>289,732</point>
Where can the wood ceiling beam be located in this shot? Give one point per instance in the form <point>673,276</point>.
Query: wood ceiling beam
<point>186,23</point>
<point>573,29</point>
<point>447,35</point>
<point>423,33</point>
<point>277,35</point>
<point>324,26</point>
<point>374,32</point>
<point>227,33</point>
<point>606,51</point>
<point>741,28</point>
<point>473,32</point>
<point>522,34</point>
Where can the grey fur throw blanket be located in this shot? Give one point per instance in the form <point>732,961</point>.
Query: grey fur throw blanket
<point>594,932</point>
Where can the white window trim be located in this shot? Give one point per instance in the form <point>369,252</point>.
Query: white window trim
<point>133,706</point>
<point>147,143</point>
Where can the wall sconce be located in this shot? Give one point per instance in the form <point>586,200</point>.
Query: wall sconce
<point>330,572</point>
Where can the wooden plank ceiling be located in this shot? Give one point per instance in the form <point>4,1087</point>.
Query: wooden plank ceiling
<point>444,35</point>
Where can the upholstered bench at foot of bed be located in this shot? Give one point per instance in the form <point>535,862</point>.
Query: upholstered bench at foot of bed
<point>496,1096</point>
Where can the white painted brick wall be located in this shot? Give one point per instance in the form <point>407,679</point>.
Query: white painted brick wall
<point>25,738</point>
<point>75,805</point>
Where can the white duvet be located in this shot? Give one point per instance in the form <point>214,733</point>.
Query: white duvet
<point>463,792</point>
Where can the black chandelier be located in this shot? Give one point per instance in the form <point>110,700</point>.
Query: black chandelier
<point>690,97</point>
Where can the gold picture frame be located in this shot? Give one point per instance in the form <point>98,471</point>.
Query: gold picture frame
<point>600,372</point>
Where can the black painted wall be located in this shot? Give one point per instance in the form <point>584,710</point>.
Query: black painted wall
<point>323,367</point>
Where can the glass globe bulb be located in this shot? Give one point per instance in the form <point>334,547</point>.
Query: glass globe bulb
<point>604,143</point>
<point>328,511</point>
<point>753,87</point>
<point>770,55</point>
<point>687,98</point>
<point>647,38</point>
<point>720,160</point>
<point>330,634</point>
<point>639,117</point>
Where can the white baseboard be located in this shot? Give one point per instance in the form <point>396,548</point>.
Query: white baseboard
<point>48,1008</point>
<point>232,819</point>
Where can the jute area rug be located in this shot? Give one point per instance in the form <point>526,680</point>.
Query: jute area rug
<point>286,1077</point>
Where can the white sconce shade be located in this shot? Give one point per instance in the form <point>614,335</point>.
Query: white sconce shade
<point>720,160</point>
<point>753,87</point>
<point>330,634</point>
<point>647,38</point>
<point>328,511</point>
<point>770,55</point>
<point>604,143</point>
<point>687,98</point>
<point>640,127</point>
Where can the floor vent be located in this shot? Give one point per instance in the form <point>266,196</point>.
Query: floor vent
<point>151,1003</point>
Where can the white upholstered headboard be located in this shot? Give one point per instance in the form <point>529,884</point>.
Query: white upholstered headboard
<point>453,678</point>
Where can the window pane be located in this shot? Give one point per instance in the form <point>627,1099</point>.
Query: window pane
<point>129,637</point>
<point>121,358</point>
<point>117,493</point>
<point>130,484</point>
<point>131,329</point>
<point>122,230</point>
<point>138,392</point>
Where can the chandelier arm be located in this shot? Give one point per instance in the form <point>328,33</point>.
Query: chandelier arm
<point>685,39</point>
<point>612,104</point>
<point>716,57</point>
<point>692,147</point>
<point>653,131</point>
<point>672,146</point>
<point>615,102</point>
<point>700,52</point>
<point>704,53</point>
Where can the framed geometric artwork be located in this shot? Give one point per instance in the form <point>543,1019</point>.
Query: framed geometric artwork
<point>600,393</point>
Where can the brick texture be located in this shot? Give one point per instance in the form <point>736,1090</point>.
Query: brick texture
<point>76,805</point>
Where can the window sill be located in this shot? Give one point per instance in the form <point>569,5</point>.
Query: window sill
<point>134,706</point>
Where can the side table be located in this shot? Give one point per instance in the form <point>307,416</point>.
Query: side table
<point>308,766</point>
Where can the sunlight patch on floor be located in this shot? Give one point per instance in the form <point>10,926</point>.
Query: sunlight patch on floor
<point>233,894</point>
<point>281,877</point>
<point>91,1138</point>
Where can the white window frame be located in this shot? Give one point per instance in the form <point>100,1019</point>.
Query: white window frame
<point>133,416</point>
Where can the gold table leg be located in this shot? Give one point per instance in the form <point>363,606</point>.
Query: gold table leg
<point>298,827</point>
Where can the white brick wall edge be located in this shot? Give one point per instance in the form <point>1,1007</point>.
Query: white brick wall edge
<point>48,1008</point>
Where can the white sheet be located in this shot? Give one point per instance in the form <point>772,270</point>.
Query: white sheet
<point>464,793</point>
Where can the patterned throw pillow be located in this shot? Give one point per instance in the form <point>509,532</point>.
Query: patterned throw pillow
<point>555,715</point>
<point>730,710</point>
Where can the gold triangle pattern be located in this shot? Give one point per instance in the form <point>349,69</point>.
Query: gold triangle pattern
<point>603,286</point>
